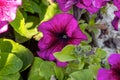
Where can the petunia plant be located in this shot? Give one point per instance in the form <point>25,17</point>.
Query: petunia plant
<point>63,32</point>
<point>91,6</point>
<point>59,39</point>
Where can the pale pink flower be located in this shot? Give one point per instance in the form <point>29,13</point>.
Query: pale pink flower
<point>7,12</point>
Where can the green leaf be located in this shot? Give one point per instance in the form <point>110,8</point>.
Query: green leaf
<point>20,51</point>
<point>15,76</point>
<point>28,7</point>
<point>11,65</point>
<point>32,22</point>
<point>81,75</point>
<point>19,38</point>
<point>83,27</point>
<point>59,72</point>
<point>43,9</point>
<point>82,50</point>
<point>92,20</point>
<point>31,6</point>
<point>74,66</point>
<point>50,12</point>
<point>94,69</point>
<point>100,53</point>
<point>95,60</point>
<point>24,30</point>
<point>23,53</point>
<point>3,59</point>
<point>41,70</point>
<point>47,69</point>
<point>4,48</point>
<point>19,24</point>
<point>66,54</point>
<point>81,65</point>
<point>35,70</point>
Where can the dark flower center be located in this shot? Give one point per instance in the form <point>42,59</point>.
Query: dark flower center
<point>116,71</point>
<point>63,37</point>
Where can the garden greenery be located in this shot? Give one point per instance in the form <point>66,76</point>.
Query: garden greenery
<point>56,40</point>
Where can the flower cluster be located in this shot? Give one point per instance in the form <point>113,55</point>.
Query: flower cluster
<point>114,72</point>
<point>61,31</point>
<point>92,6</point>
<point>72,43</point>
<point>58,32</point>
<point>7,12</point>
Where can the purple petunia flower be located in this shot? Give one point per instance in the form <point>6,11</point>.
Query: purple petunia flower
<point>116,20</point>
<point>91,6</point>
<point>114,72</point>
<point>58,32</point>
<point>66,5</point>
<point>7,12</point>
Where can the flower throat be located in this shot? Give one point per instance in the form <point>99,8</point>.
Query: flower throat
<point>63,37</point>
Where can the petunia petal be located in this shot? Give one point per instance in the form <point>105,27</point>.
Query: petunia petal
<point>115,23</point>
<point>81,6</point>
<point>65,5</point>
<point>17,2</point>
<point>104,74</point>
<point>8,9</point>
<point>92,9</point>
<point>61,64</point>
<point>46,42</point>
<point>71,27</point>
<point>117,13</point>
<point>48,52</point>
<point>97,3</point>
<point>114,59</point>
<point>74,41</point>
<point>87,2</point>
<point>66,23</point>
<point>3,26</point>
<point>78,34</point>
<point>117,3</point>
